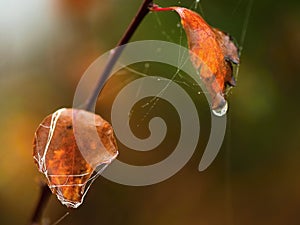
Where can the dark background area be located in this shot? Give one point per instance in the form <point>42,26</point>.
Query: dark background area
<point>45,47</point>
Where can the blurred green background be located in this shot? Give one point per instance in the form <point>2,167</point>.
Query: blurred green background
<point>45,46</point>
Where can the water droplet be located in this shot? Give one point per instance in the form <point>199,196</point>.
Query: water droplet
<point>147,65</point>
<point>178,25</point>
<point>112,51</point>
<point>199,92</point>
<point>221,111</point>
<point>158,79</point>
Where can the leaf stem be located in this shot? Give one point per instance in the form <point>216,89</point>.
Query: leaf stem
<point>142,12</point>
<point>157,8</point>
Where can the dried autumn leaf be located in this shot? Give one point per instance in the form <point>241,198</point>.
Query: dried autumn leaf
<point>69,146</point>
<point>212,53</point>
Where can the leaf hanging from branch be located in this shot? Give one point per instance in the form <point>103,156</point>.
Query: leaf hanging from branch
<point>212,53</point>
<point>70,155</point>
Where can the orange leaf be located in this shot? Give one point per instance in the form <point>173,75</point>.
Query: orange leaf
<point>65,151</point>
<point>212,52</point>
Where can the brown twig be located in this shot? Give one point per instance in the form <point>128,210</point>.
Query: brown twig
<point>142,12</point>
<point>45,194</point>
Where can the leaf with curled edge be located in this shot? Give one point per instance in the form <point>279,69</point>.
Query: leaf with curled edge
<point>212,53</point>
<point>69,148</point>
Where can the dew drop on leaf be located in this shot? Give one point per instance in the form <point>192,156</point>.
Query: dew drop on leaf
<point>221,111</point>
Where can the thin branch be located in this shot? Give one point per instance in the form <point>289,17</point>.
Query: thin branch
<point>142,12</point>
<point>41,204</point>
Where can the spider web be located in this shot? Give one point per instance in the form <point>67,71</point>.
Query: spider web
<point>177,76</point>
<point>182,80</point>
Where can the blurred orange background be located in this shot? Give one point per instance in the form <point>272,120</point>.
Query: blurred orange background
<point>45,47</point>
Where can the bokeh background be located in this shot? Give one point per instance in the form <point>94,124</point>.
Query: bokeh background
<point>45,47</point>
